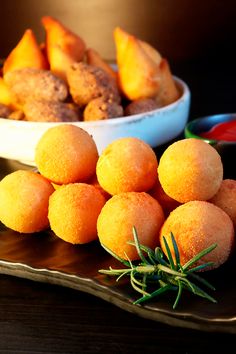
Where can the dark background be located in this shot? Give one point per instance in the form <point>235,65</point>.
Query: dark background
<point>198,38</point>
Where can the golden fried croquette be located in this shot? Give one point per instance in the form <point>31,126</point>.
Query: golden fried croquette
<point>50,111</point>
<point>73,212</point>
<point>123,212</point>
<point>29,83</point>
<point>26,54</point>
<point>141,106</point>
<point>190,169</point>
<point>65,154</point>
<point>168,204</point>
<point>225,198</point>
<point>101,108</point>
<point>87,82</point>
<point>197,225</point>
<point>24,197</point>
<point>127,165</point>
<point>5,111</point>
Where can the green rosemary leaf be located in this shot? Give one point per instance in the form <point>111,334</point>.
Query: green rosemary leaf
<point>180,288</point>
<point>140,253</point>
<point>159,256</point>
<point>198,291</point>
<point>176,250</point>
<point>136,281</point>
<point>170,270</point>
<point>112,271</point>
<point>170,258</point>
<point>153,294</point>
<point>198,256</point>
<point>135,287</point>
<point>200,267</point>
<point>201,280</point>
<point>149,251</point>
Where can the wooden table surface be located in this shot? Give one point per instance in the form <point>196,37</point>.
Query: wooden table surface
<point>43,318</point>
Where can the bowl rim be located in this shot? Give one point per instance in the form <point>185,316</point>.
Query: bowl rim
<point>189,128</point>
<point>185,95</point>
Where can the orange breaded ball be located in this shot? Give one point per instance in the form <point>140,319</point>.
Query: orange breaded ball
<point>197,225</point>
<point>120,214</point>
<point>66,154</point>
<point>127,165</point>
<point>190,169</point>
<point>168,204</point>
<point>225,198</point>
<point>24,197</point>
<point>73,212</point>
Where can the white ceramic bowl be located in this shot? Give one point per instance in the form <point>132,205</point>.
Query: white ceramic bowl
<point>19,138</point>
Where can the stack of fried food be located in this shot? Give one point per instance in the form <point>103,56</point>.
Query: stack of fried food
<point>83,197</point>
<point>61,80</point>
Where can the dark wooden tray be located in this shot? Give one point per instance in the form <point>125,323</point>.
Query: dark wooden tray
<point>43,257</point>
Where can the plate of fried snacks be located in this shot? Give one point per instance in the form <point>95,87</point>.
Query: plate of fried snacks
<point>63,81</point>
<point>153,235</point>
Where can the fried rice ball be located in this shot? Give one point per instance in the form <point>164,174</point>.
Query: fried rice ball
<point>87,82</point>
<point>31,83</point>
<point>141,106</point>
<point>197,225</point>
<point>65,154</point>
<point>24,197</point>
<point>50,111</point>
<point>100,108</point>
<point>127,165</point>
<point>73,212</point>
<point>168,204</point>
<point>225,198</point>
<point>123,212</point>
<point>190,169</point>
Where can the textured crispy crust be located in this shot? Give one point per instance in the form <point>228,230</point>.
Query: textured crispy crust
<point>120,214</point>
<point>29,83</point>
<point>100,108</point>
<point>24,197</point>
<point>73,212</point>
<point>87,82</point>
<point>190,169</point>
<point>196,225</point>
<point>225,198</point>
<point>66,154</point>
<point>141,106</point>
<point>127,165</point>
<point>49,111</point>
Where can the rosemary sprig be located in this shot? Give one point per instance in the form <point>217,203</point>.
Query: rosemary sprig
<point>165,274</point>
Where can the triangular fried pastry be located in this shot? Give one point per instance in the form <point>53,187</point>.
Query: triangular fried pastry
<point>63,46</point>
<point>168,92</point>
<point>94,58</point>
<point>26,54</point>
<point>138,72</point>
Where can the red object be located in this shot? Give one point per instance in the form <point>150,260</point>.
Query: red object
<point>222,131</point>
